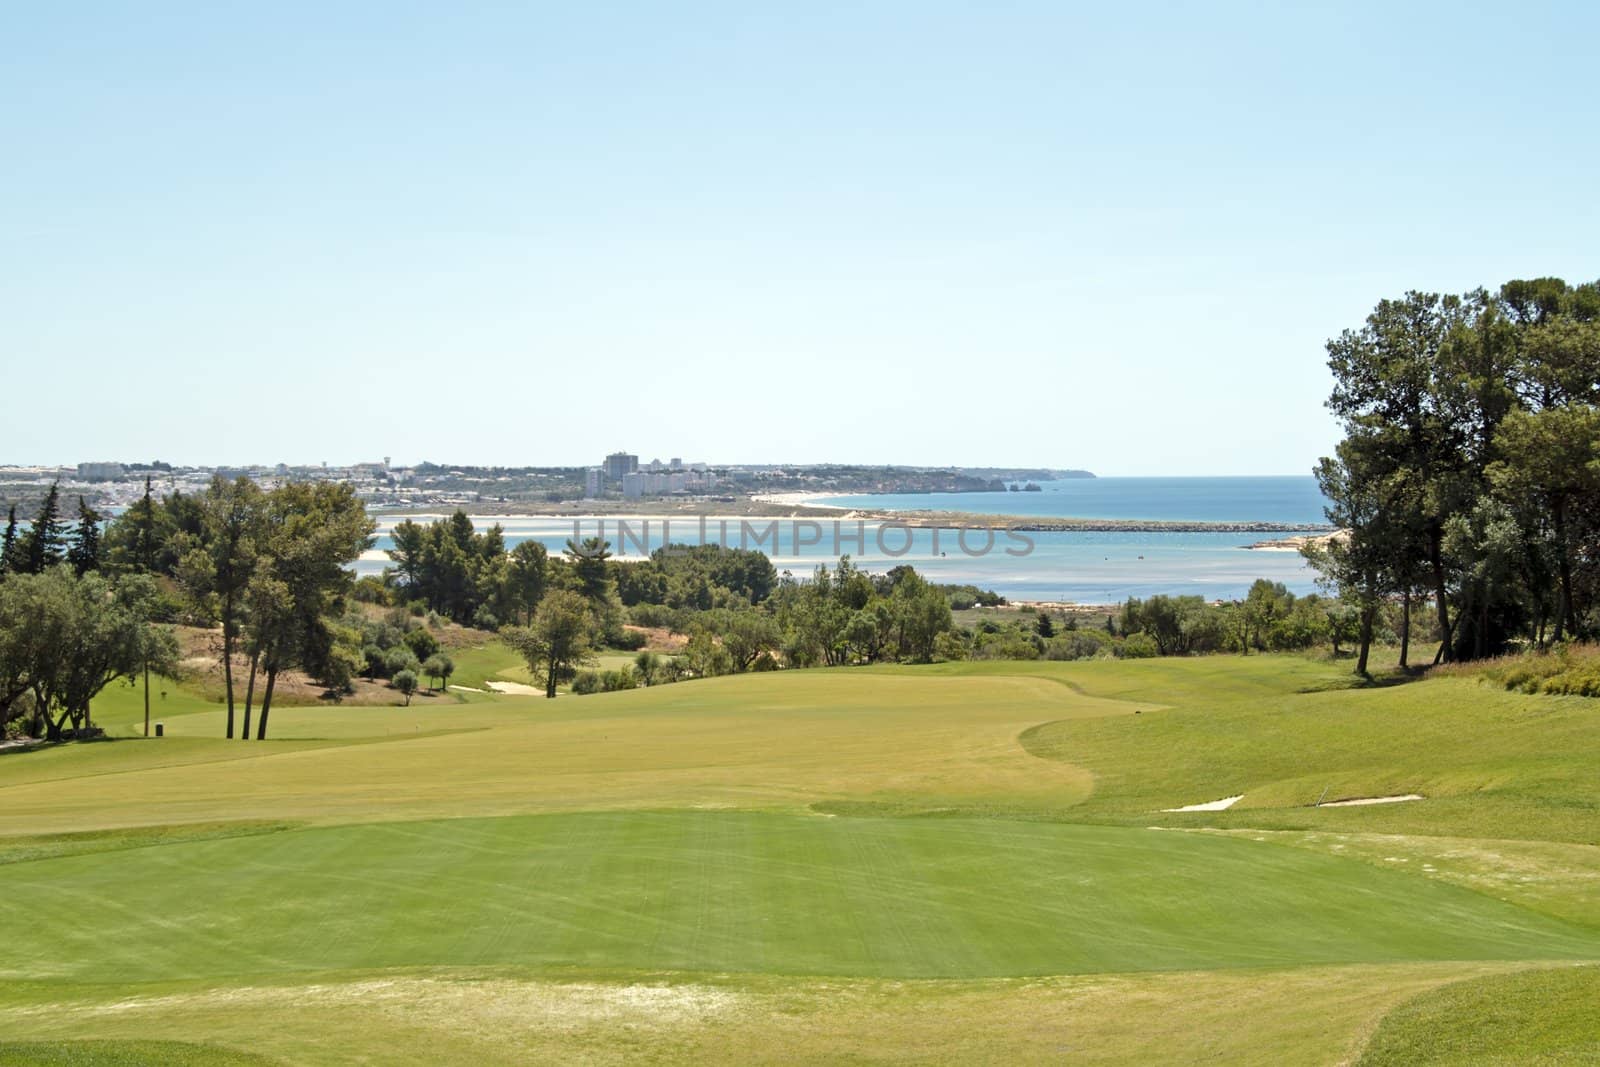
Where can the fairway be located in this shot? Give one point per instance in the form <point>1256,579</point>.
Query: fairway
<point>922,851</point>
<point>731,892</point>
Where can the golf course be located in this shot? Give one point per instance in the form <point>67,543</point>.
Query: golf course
<point>939,863</point>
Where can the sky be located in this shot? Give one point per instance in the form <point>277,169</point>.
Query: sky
<point>1113,237</point>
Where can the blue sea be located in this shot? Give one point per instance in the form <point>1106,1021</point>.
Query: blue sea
<point>1293,498</point>
<point>1085,568</point>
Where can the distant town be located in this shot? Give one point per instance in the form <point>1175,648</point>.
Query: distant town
<point>619,477</point>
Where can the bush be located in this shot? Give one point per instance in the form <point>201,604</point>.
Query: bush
<point>1077,644</point>
<point>1569,670</point>
<point>1007,644</point>
<point>587,682</point>
<point>629,640</point>
<point>484,619</point>
<point>369,589</point>
<point>657,615</point>
<point>1138,646</point>
<point>400,658</point>
<point>422,643</point>
<point>613,681</point>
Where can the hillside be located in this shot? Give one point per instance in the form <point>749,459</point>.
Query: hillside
<point>972,858</point>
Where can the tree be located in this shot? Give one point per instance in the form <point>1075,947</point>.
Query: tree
<point>401,658</point>
<point>44,545</point>
<point>216,571</point>
<point>408,538</point>
<point>525,578</point>
<point>588,561</point>
<point>406,682</point>
<point>1551,458</point>
<point>66,636</point>
<point>557,642</point>
<point>1393,385</point>
<point>648,664</point>
<point>10,551</point>
<point>310,533</point>
<point>438,667</point>
<point>84,553</point>
<point>921,614</point>
<point>1045,626</point>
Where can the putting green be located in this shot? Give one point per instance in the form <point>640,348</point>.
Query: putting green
<point>737,892</point>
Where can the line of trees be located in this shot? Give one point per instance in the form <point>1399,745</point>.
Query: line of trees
<point>269,569</point>
<point>467,576</point>
<point>1469,473</point>
<point>68,628</point>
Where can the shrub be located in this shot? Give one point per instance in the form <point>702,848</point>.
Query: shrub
<point>586,682</point>
<point>422,643</point>
<point>1569,670</point>
<point>400,658</point>
<point>369,589</point>
<point>1007,644</point>
<point>625,678</point>
<point>1077,644</point>
<point>1138,646</point>
<point>658,615</point>
<point>629,640</point>
<point>949,646</point>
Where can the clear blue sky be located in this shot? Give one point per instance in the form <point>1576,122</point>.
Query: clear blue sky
<point>1104,236</point>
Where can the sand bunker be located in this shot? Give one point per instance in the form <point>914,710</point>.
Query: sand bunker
<point>1211,805</point>
<point>1360,801</point>
<point>515,688</point>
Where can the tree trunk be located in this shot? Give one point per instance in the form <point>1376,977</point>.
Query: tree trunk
<point>227,657</point>
<point>1366,638</point>
<point>550,679</point>
<point>1405,626</point>
<point>1565,617</point>
<point>266,702</point>
<point>249,696</point>
<point>1441,598</point>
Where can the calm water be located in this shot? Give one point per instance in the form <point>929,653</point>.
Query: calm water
<point>1089,568</point>
<point>1277,499</point>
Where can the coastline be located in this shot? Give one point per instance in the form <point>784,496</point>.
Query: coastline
<point>807,505</point>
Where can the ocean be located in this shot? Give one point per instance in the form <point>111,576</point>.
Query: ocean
<point>1078,567</point>
<point>1292,499</point>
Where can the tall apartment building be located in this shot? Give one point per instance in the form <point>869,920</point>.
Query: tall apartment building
<point>619,464</point>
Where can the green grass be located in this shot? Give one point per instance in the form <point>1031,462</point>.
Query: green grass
<point>741,892</point>
<point>123,1054</point>
<point>959,862</point>
<point>1535,1017</point>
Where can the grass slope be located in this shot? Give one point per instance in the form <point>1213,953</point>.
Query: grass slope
<point>1536,1017</point>
<point>646,875</point>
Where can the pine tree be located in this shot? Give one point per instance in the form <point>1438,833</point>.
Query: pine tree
<point>84,555</point>
<point>42,545</point>
<point>9,553</point>
<point>1046,625</point>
